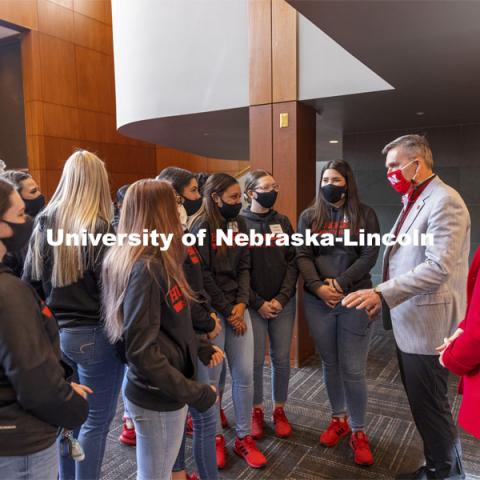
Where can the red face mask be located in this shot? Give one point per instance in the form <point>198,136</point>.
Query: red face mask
<point>398,181</point>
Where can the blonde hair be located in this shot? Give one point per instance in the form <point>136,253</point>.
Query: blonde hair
<point>81,201</point>
<point>149,204</point>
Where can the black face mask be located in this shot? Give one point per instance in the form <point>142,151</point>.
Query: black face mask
<point>192,206</point>
<point>266,199</point>
<point>333,193</point>
<point>229,211</point>
<point>32,207</point>
<point>21,235</point>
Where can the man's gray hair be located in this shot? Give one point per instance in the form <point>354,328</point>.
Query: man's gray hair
<point>414,145</point>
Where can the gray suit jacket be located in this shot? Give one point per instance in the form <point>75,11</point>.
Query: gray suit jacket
<point>426,290</point>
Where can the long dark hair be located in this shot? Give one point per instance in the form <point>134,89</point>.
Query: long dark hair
<point>178,177</point>
<point>353,211</point>
<point>216,183</point>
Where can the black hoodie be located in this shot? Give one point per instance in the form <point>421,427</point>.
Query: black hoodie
<point>227,274</point>
<point>35,398</point>
<point>349,265</point>
<point>77,304</point>
<point>160,344</point>
<point>273,273</point>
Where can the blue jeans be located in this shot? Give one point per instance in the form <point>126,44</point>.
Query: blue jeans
<point>159,437</point>
<point>342,338</point>
<point>279,331</point>
<point>124,398</point>
<point>97,365</point>
<point>204,430</point>
<point>239,353</point>
<point>41,465</point>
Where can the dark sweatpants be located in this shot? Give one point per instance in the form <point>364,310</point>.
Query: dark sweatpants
<point>426,384</point>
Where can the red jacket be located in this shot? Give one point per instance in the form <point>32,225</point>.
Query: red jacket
<point>462,357</point>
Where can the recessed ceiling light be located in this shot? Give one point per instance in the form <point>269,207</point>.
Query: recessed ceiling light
<point>420,113</point>
<point>333,141</point>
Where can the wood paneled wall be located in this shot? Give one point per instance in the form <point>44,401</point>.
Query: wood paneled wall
<point>197,163</point>
<point>69,91</point>
<point>288,151</point>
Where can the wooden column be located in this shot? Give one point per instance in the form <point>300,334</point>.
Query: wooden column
<point>287,151</point>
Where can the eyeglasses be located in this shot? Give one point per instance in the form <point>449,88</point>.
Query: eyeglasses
<point>275,188</point>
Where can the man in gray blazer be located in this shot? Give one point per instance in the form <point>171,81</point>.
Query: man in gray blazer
<point>422,296</point>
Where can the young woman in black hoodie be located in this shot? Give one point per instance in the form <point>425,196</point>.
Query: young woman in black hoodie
<point>206,324</point>
<point>227,281</point>
<point>34,201</point>
<point>273,283</point>
<point>148,304</point>
<point>68,277</point>
<point>35,399</point>
<point>341,335</point>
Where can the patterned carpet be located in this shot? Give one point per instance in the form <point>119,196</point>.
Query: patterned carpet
<point>395,442</point>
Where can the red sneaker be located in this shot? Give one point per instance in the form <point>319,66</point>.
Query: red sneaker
<point>193,476</point>
<point>257,423</point>
<point>223,419</point>
<point>338,429</point>
<point>246,448</point>
<point>283,429</point>
<point>361,449</point>
<point>128,436</point>
<point>189,428</point>
<point>221,451</point>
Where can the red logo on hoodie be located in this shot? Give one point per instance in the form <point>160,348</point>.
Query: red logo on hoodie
<point>176,298</point>
<point>193,254</point>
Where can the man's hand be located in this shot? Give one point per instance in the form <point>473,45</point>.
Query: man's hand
<point>367,300</point>
<point>218,327</point>
<point>217,357</point>
<point>328,294</point>
<point>81,390</point>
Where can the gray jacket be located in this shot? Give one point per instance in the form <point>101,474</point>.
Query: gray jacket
<point>426,290</point>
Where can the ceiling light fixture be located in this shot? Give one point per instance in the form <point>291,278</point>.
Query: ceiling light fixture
<point>333,141</point>
<point>420,113</point>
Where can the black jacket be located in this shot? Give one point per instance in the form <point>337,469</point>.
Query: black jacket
<point>201,310</point>
<point>227,274</point>
<point>78,304</point>
<point>349,265</point>
<point>160,344</point>
<point>35,399</point>
<point>273,273</point>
